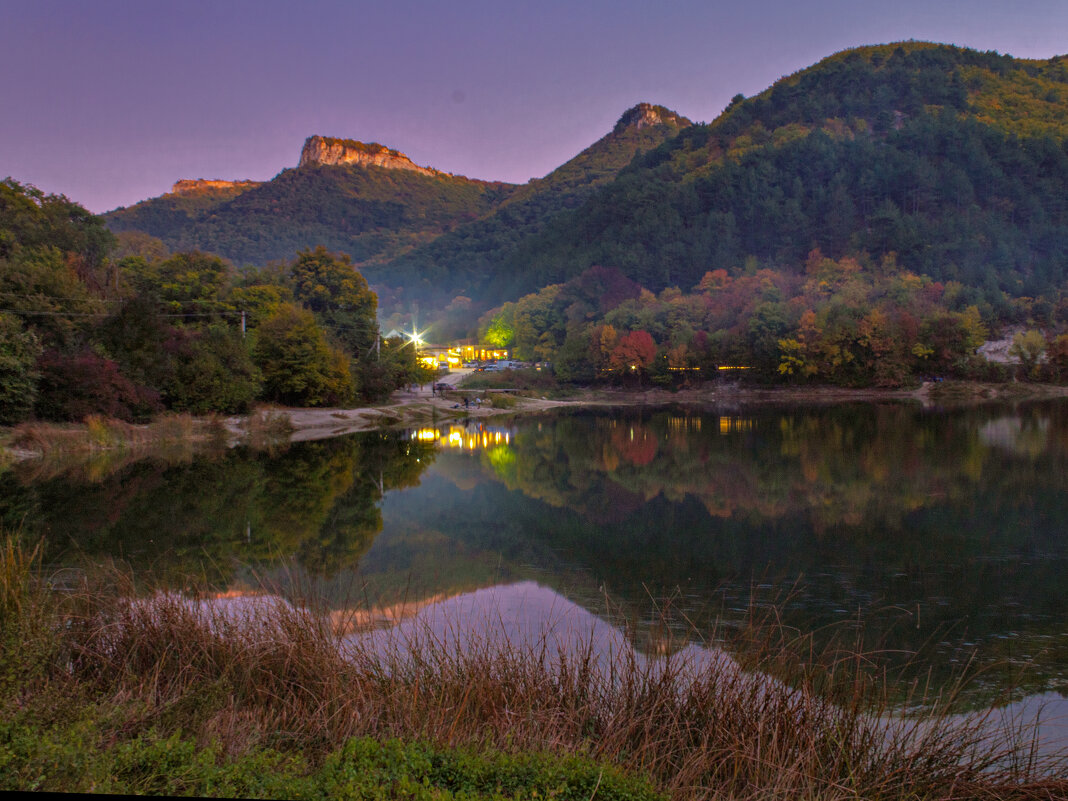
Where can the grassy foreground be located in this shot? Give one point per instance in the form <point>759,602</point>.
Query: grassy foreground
<point>102,693</point>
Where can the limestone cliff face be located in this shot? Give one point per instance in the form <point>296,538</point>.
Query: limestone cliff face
<point>191,186</point>
<point>332,152</point>
<point>646,115</point>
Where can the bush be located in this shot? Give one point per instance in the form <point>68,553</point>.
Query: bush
<point>75,386</point>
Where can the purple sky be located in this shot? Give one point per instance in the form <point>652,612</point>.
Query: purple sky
<point>110,102</point>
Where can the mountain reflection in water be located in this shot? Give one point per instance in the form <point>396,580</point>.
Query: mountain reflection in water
<point>531,621</point>
<point>935,537</point>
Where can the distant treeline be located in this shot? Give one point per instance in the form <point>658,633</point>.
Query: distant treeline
<point>839,321</point>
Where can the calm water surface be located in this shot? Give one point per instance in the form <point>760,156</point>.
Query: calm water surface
<point>936,536</point>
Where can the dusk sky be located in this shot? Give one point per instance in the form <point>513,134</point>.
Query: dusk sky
<point>110,102</point>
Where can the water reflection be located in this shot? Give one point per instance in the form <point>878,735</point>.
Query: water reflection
<point>918,532</point>
<point>206,520</point>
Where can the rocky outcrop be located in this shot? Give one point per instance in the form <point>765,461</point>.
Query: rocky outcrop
<point>646,115</point>
<point>193,185</point>
<point>329,151</point>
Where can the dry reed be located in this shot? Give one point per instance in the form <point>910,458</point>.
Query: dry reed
<point>270,673</point>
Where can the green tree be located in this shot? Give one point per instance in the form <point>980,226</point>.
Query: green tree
<point>215,374</point>
<point>335,291</point>
<point>19,350</point>
<point>299,367</point>
<point>1028,347</point>
<point>187,282</point>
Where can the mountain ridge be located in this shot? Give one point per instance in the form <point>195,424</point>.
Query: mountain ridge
<point>948,160</point>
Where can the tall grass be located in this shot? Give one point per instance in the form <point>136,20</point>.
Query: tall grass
<point>266,673</point>
<point>101,445</point>
<point>268,428</point>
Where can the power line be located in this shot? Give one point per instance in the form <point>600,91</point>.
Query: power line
<point>32,313</point>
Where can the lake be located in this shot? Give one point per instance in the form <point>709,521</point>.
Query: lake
<point>933,538</point>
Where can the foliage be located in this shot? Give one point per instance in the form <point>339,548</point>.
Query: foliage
<point>1028,347</point>
<point>32,222</point>
<point>214,373</point>
<point>19,350</point>
<point>299,368</point>
<point>73,386</point>
<point>61,759</point>
<point>186,282</point>
<point>847,322</point>
<point>335,291</point>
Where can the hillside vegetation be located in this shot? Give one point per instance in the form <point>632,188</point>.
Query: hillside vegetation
<point>467,260</point>
<point>366,212</point>
<point>951,159</point>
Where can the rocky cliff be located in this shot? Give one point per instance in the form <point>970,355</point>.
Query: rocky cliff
<point>331,152</point>
<point>646,115</point>
<point>191,186</point>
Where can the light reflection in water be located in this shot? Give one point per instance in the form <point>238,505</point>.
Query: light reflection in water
<point>469,438</point>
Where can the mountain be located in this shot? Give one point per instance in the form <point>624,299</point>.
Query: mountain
<point>363,199</point>
<point>917,156</point>
<point>440,234</point>
<point>469,259</point>
<point>943,160</point>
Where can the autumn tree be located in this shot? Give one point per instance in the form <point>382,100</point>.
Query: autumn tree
<point>634,353</point>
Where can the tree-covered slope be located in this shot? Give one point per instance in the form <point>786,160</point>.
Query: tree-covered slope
<point>169,215</point>
<point>368,212</point>
<point>954,160</point>
<point>467,258</point>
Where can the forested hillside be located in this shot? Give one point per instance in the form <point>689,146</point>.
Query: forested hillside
<point>946,162</point>
<point>367,212</point>
<point>467,259</point>
<point>951,159</point>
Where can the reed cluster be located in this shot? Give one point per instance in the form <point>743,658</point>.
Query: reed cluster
<point>268,427</point>
<point>267,674</point>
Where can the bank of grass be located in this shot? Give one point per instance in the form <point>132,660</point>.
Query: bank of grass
<point>104,693</point>
<point>167,434</point>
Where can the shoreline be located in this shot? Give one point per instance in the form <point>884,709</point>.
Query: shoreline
<point>407,409</point>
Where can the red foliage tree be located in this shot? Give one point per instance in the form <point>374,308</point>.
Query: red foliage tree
<point>74,386</point>
<point>634,351</point>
